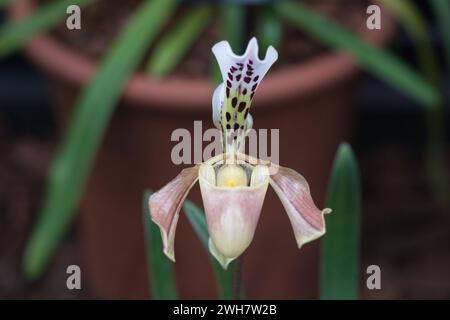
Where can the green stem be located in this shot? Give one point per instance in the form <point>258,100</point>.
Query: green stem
<point>237,279</point>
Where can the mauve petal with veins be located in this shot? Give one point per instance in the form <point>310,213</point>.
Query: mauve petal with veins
<point>165,206</point>
<point>306,219</point>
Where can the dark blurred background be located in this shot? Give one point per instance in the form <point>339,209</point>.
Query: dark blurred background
<point>404,231</point>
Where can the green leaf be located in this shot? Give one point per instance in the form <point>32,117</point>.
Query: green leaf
<point>173,47</point>
<point>232,29</point>
<point>339,266</point>
<point>441,9</point>
<point>14,35</point>
<point>269,29</point>
<point>224,278</point>
<point>410,16</point>
<point>160,268</point>
<point>4,3</point>
<point>92,112</point>
<point>375,60</point>
<point>232,25</point>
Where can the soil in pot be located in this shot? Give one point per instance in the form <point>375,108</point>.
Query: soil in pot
<point>104,19</point>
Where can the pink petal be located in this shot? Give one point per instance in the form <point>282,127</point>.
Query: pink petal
<point>306,219</point>
<point>165,206</point>
<point>232,214</point>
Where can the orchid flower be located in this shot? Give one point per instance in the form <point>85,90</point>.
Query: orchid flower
<point>233,185</point>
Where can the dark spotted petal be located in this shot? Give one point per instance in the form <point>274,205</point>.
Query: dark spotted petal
<point>241,77</point>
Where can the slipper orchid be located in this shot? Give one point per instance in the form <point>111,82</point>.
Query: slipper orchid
<point>233,185</point>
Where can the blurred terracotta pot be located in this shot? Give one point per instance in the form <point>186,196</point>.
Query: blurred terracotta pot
<point>312,103</point>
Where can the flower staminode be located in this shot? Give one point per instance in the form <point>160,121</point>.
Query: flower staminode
<point>231,176</point>
<point>233,185</point>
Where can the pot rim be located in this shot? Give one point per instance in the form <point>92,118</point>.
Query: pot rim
<point>183,94</point>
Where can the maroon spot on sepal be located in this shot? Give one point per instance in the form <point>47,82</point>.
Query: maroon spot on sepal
<point>244,92</point>
<point>234,102</point>
<point>236,126</point>
<point>247,79</point>
<point>228,84</point>
<point>254,87</point>
<point>246,113</point>
<point>233,69</point>
<point>227,91</point>
<point>228,126</point>
<point>250,61</point>
<point>230,76</point>
<point>228,116</point>
<point>238,77</point>
<point>249,73</point>
<point>251,95</point>
<point>256,78</point>
<point>242,106</point>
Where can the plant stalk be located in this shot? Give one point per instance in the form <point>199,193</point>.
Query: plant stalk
<point>237,279</point>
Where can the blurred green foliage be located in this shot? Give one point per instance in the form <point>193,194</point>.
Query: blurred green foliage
<point>172,47</point>
<point>413,21</point>
<point>269,29</point>
<point>340,265</point>
<point>95,105</point>
<point>375,60</point>
<point>70,169</point>
<point>4,3</point>
<point>14,35</point>
<point>441,9</point>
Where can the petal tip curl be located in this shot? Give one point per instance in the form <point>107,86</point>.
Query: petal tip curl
<point>307,220</point>
<point>165,206</point>
<point>167,248</point>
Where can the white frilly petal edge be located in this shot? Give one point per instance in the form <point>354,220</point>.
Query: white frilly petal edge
<point>234,70</point>
<point>306,219</point>
<point>226,58</point>
<point>165,206</point>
